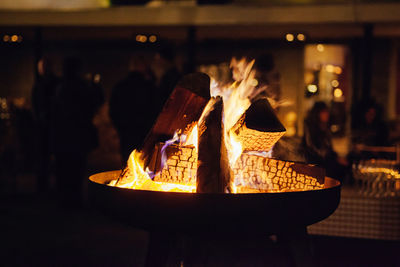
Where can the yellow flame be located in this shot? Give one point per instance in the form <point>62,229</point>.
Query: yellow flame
<point>237,98</point>
<point>140,179</point>
<point>192,139</point>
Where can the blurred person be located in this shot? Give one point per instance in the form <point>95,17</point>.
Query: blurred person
<point>43,93</point>
<point>166,72</point>
<point>370,133</point>
<point>317,142</point>
<point>372,129</point>
<point>134,106</point>
<point>76,103</point>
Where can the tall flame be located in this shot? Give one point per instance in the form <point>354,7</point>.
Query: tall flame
<point>237,98</point>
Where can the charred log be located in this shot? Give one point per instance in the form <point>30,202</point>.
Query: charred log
<point>184,106</point>
<point>271,175</point>
<point>259,128</point>
<point>212,167</point>
<point>180,167</point>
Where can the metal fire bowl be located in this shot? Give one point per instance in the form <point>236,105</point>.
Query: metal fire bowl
<point>196,212</point>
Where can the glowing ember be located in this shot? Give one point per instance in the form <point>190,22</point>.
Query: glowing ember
<point>174,163</point>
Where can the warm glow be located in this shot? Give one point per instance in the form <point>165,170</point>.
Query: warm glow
<point>235,148</point>
<point>192,138</point>
<point>335,83</point>
<point>320,48</point>
<point>152,38</point>
<point>248,150</point>
<point>254,82</point>
<point>255,172</point>
<point>289,37</point>
<point>301,37</point>
<point>330,68</point>
<point>136,178</point>
<point>338,70</point>
<point>237,99</point>
<point>141,38</point>
<point>338,93</point>
<point>6,38</point>
<point>312,88</point>
<point>14,38</point>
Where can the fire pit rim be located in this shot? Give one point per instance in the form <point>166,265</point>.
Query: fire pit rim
<point>333,183</point>
<point>212,212</point>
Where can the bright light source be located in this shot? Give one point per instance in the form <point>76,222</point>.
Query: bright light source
<point>320,48</point>
<point>96,78</point>
<point>338,70</point>
<point>335,83</point>
<point>335,128</point>
<point>254,82</point>
<point>6,38</point>
<point>301,37</point>
<point>312,88</point>
<point>143,38</point>
<point>291,116</point>
<point>14,38</point>
<point>337,93</point>
<point>152,38</point>
<point>289,37</point>
<point>330,68</point>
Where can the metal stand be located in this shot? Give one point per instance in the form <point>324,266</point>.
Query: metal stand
<point>170,249</point>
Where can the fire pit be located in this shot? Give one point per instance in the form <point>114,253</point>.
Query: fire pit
<point>216,173</point>
<point>265,213</point>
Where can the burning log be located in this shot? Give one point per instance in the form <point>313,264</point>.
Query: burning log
<point>259,128</point>
<point>256,172</point>
<point>212,166</point>
<point>184,107</point>
<point>181,165</point>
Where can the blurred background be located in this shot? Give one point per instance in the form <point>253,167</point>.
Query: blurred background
<point>345,54</point>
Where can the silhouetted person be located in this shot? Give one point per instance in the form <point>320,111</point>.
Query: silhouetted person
<point>317,141</point>
<point>43,93</point>
<point>75,135</point>
<point>372,130</point>
<point>168,73</point>
<point>134,106</point>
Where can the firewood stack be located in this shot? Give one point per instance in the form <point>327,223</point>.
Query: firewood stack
<point>207,167</point>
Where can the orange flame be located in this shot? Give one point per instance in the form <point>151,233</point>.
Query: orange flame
<point>237,98</point>
<point>138,178</point>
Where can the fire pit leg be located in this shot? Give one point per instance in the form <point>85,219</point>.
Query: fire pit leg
<point>298,243</point>
<point>166,249</point>
<point>158,249</point>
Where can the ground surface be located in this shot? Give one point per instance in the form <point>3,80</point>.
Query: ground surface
<point>36,232</point>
